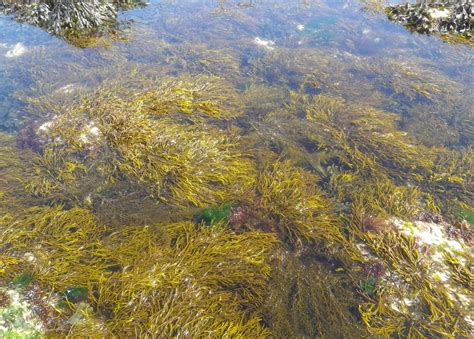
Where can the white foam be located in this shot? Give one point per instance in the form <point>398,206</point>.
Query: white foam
<point>17,50</point>
<point>68,88</point>
<point>268,44</point>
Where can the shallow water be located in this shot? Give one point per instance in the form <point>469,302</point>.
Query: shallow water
<point>360,48</point>
<point>274,55</point>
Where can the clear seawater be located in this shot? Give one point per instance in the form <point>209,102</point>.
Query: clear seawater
<point>264,49</point>
<point>360,48</point>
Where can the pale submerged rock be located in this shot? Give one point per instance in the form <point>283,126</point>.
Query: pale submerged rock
<point>17,319</point>
<point>67,89</point>
<point>90,133</point>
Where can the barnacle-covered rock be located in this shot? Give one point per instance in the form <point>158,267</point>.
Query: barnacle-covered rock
<point>435,16</point>
<point>70,19</point>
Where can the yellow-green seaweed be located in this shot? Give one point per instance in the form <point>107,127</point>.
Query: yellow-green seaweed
<point>197,284</point>
<point>290,194</point>
<point>137,140</point>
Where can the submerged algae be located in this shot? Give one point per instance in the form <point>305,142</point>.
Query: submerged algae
<point>195,286</point>
<point>213,215</point>
<point>410,298</point>
<point>135,139</point>
<point>302,212</point>
<point>467,214</point>
<point>307,300</point>
<point>359,150</point>
<point>17,320</point>
<point>316,167</point>
<point>22,280</point>
<point>219,272</point>
<point>229,272</point>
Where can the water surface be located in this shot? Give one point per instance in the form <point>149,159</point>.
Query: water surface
<point>347,50</point>
<point>276,60</point>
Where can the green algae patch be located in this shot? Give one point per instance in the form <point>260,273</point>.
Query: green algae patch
<point>23,280</point>
<point>75,294</point>
<point>368,285</point>
<point>466,214</point>
<point>213,215</point>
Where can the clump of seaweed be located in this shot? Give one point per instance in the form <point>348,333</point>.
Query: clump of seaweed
<point>290,196</point>
<point>451,181</point>
<point>384,199</point>
<point>446,124</point>
<point>200,96</point>
<point>366,140</point>
<point>170,279</point>
<point>199,283</point>
<point>72,20</point>
<point>308,300</point>
<point>355,150</point>
<point>15,171</point>
<point>337,136</point>
<point>148,138</point>
<point>359,151</point>
<point>60,247</point>
<point>46,253</point>
<point>417,294</point>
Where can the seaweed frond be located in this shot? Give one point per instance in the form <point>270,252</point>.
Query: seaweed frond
<point>290,194</point>
<point>198,284</point>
